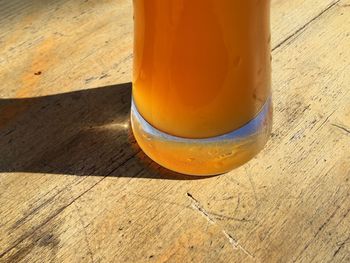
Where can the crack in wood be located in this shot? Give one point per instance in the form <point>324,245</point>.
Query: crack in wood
<point>305,25</point>
<point>342,127</point>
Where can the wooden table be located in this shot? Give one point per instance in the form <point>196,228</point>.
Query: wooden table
<point>75,187</point>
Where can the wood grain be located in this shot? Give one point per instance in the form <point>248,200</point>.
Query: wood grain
<point>74,186</point>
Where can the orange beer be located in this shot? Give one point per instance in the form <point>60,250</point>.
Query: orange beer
<point>202,69</point>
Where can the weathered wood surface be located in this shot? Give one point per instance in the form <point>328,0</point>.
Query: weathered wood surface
<point>74,186</point>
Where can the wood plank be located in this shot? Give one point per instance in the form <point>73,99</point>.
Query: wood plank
<point>85,217</point>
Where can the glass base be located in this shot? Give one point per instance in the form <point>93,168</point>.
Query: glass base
<point>203,157</point>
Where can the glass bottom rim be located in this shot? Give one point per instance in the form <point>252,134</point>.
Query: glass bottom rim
<point>251,127</point>
<point>208,156</point>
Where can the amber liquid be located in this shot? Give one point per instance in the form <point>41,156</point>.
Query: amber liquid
<point>201,67</point>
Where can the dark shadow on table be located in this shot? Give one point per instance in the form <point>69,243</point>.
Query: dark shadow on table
<point>83,133</point>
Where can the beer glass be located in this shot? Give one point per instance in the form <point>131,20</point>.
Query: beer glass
<point>201,99</point>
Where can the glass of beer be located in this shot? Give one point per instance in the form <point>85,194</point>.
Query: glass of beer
<point>201,82</point>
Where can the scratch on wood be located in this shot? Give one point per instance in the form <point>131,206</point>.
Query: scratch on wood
<point>254,193</point>
<point>88,80</point>
<point>341,246</point>
<point>235,244</point>
<point>32,212</point>
<point>85,234</point>
<point>222,217</point>
<point>105,75</point>
<point>198,207</point>
<point>325,121</point>
<point>317,232</point>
